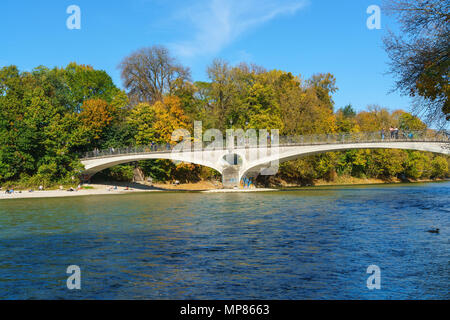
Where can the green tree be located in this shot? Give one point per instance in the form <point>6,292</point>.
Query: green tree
<point>439,167</point>
<point>417,165</point>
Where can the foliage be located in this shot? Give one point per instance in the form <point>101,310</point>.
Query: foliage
<point>155,123</point>
<point>440,167</point>
<point>124,172</point>
<point>420,56</point>
<point>48,117</point>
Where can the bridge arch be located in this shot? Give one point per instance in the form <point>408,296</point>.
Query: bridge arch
<point>93,166</point>
<point>295,152</point>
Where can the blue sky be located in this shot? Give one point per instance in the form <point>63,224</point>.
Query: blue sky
<point>303,37</point>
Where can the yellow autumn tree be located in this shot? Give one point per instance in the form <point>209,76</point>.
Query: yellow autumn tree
<point>156,122</point>
<point>169,116</point>
<point>96,115</point>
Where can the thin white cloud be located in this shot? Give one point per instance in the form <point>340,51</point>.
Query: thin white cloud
<point>218,23</point>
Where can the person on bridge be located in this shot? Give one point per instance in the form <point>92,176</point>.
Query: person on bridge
<point>391,130</point>
<point>382,134</point>
<point>396,133</point>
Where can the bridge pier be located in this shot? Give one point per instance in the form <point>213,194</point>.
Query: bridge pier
<point>230,177</point>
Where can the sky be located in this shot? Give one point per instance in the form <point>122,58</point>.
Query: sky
<point>300,36</point>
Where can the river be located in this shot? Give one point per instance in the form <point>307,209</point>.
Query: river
<point>312,243</point>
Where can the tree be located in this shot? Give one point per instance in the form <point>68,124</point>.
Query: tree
<point>96,115</point>
<point>169,116</point>
<point>439,167</point>
<point>420,57</point>
<point>408,122</point>
<point>348,111</point>
<point>345,120</point>
<point>325,86</point>
<point>150,73</point>
<point>389,163</point>
<point>374,119</point>
<point>141,119</point>
<point>262,110</point>
<point>156,122</point>
<point>41,133</point>
<point>417,165</point>
<point>83,82</point>
<point>222,91</point>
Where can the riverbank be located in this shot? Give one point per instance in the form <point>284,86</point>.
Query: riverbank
<point>202,186</point>
<point>91,190</point>
<point>359,181</point>
<point>348,181</point>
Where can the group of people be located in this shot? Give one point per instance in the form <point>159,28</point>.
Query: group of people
<point>154,146</point>
<point>40,188</point>
<point>12,191</point>
<point>71,189</point>
<point>393,133</point>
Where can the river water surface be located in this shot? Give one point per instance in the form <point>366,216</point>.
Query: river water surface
<point>297,244</point>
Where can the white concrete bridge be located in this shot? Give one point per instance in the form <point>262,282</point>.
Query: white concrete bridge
<point>237,162</point>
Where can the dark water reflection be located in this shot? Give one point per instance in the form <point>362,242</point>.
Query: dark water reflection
<point>308,244</point>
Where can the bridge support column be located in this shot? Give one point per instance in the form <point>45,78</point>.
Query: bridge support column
<point>230,177</point>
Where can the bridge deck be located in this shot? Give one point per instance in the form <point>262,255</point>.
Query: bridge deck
<point>140,150</point>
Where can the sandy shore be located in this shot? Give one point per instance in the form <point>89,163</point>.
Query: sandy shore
<point>105,189</point>
<point>97,190</point>
<point>109,188</point>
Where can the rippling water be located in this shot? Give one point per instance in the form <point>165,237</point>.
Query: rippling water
<point>304,244</point>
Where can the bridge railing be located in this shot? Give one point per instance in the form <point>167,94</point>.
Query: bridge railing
<point>156,148</point>
<point>317,139</point>
<point>361,137</point>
